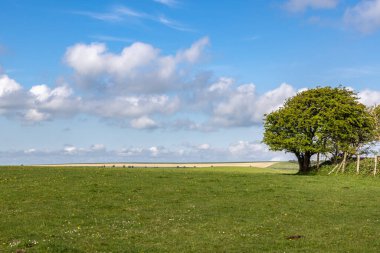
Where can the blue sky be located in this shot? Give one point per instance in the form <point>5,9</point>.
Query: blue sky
<point>170,80</point>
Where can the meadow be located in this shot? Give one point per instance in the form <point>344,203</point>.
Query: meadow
<point>226,209</point>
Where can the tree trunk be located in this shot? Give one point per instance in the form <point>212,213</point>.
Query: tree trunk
<point>304,162</point>
<point>335,155</point>
<point>318,161</point>
<point>357,164</point>
<point>375,169</point>
<point>344,162</point>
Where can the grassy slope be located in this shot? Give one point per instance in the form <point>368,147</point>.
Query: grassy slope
<point>285,166</point>
<point>185,210</point>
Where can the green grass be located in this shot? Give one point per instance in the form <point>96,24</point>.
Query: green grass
<point>285,166</point>
<point>185,210</point>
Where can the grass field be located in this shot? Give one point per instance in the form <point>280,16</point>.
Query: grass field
<point>186,210</point>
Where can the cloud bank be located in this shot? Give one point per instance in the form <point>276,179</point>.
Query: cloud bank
<point>237,151</point>
<point>142,88</point>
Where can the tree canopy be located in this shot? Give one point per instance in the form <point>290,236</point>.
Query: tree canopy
<point>319,120</point>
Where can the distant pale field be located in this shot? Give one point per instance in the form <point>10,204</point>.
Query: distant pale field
<point>165,165</point>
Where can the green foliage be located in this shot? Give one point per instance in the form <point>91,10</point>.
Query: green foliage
<point>375,112</point>
<point>185,210</point>
<point>319,120</point>
<point>367,166</point>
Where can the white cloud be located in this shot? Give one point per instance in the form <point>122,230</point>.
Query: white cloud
<point>138,68</point>
<point>223,84</point>
<point>204,146</point>
<point>143,122</point>
<point>41,92</point>
<point>302,5</point>
<point>273,99</point>
<point>369,97</point>
<point>70,150</point>
<point>12,99</point>
<point>237,109</point>
<point>45,101</point>
<point>364,17</point>
<point>154,151</point>
<point>244,107</point>
<point>253,151</point>
<point>94,60</point>
<point>193,54</point>
<point>134,96</point>
<point>42,103</point>
<point>33,115</point>
<point>246,148</point>
<point>30,151</point>
<point>132,107</point>
<point>8,86</point>
<point>86,59</point>
<point>38,104</point>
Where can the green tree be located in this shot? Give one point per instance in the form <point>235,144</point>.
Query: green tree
<point>318,120</point>
<point>375,112</point>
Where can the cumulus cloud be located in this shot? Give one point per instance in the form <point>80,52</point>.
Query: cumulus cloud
<point>37,103</point>
<point>8,86</point>
<point>221,86</point>
<point>204,146</point>
<point>131,106</point>
<point>33,115</point>
<point>137,68</point>
<point>242,106</point>
<point>131,86</point>
<point>242,147</point>
<point>70,150</point>
<point>301,5</point>
<point>154,151</point>
<point>93,59</point>
<point>186,102</point>
<point>41,103</point>
<point>143,122</point>
<point>192,54</point>
<point>58,101</point>
<point>364,16</point>
<point>12,100</point>
<point>369,97</point>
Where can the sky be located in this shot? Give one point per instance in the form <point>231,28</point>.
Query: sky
<point>171,80</point>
